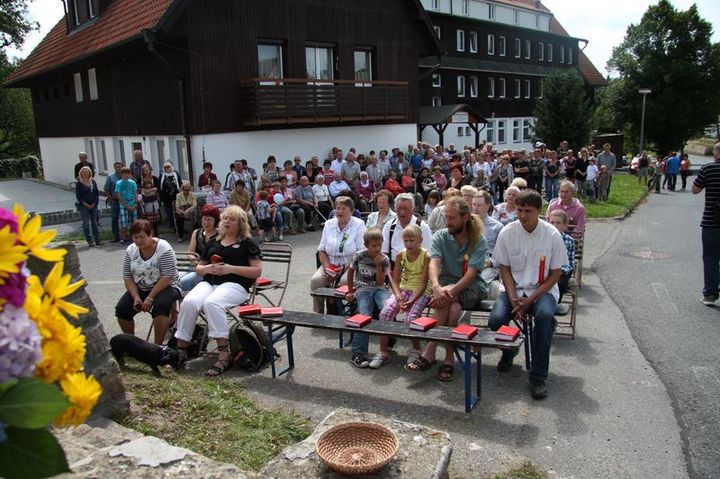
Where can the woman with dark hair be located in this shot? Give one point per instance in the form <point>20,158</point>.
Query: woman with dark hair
<point>229,266</point>
<point>151,280</point>
<point>425,183</point>
<point>199,240</point>
<point>457,178</point>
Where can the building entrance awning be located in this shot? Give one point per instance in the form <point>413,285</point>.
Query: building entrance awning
<point>439,117</point>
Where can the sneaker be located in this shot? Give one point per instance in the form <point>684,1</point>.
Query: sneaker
<point>280,236</point>
<point>413,356</point>
<point>180,240</point>
<point>505,364</point>
<point>359,360</point>
<point>709,300</point>
<point>378,360</point>
<point>98,243</point>
<point>538,390</point>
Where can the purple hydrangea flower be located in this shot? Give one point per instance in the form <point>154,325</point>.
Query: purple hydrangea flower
<point>20,344</point>
<point>13,289</point>
<point>7,217</point>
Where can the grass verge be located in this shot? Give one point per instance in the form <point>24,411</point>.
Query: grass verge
<point>526,471</point>
<point>625,193</point>
<point>210,417</point>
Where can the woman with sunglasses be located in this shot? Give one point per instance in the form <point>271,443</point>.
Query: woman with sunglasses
<point>342,237</point>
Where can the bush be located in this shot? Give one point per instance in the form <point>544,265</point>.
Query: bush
<point>15,167</point>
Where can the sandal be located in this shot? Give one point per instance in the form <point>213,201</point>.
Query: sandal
<point>445,373</point>
<point>181,359</point>
<point>221,365</point>
<point>420,364</point>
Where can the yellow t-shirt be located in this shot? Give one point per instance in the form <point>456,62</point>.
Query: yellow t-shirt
<point>411,271</point>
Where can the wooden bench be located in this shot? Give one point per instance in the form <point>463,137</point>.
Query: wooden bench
<point>282,328</point>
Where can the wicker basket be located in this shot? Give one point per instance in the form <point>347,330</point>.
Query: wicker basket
<point>355,448</point>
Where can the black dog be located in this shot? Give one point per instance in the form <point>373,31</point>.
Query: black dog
<point>148,353</point>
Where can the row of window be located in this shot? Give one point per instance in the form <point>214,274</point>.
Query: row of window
<point>54,92</point>
<point>496,131</point>
<point>319,62</point>
<point>496,87</point>
<point>544,52</point>
<point>98,155</point>
<point>465,10</point>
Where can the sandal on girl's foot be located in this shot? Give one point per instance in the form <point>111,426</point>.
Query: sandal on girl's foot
<point>445,373</point>
<point>420,364</point>
<point>222,364</point>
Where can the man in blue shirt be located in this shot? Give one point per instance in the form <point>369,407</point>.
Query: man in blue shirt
<point>109,190</point>
<point>672,168</point>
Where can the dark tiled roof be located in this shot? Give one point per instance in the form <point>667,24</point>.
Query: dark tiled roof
<point>586,68</point>
<point>473,64</point>
<point>123,20</point>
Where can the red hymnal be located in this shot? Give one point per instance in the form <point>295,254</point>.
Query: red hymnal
<point>342,290</point>
<point>333,270</point>
<point>216,258</point>
<point>507,333</point>
<point>261,281</point>
<point>464,331</point>
<point>267,312</point>
<point>249,309</point>
<point>423,323</point>
<point>357,320</point>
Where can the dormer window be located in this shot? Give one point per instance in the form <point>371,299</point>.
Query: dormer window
<point>82,11</point>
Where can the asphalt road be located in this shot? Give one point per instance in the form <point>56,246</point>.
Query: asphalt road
<point>653,272</point>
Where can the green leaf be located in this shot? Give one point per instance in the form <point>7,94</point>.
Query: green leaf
<point>30,453</point>
<point>7,385</point>
<point>32,404</point>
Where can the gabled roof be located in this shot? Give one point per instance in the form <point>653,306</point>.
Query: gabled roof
<point>121,22</point>
<point>437,115</point>
<point>586,68</point>
<point>528,4</point>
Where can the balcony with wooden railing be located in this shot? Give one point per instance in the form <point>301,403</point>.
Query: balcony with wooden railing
<point>293,101</point>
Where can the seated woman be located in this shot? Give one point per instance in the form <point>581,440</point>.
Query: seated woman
<point>151,279</point>
<point>506,212</point>
<point>342,237</point>
<point>199,240</point>
<point>377,219</point>
<point>229,266</point>
<point>364,190</point>
<point>185,208</point>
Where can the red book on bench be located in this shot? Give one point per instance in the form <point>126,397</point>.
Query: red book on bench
<point>464,331</point>
<point>261,281</point>
<point>249,309</point>
<point>357,320</point>
<point>342,290</point>
<point>268,312</point>
<point>423,323</point>
<point>507,333</point>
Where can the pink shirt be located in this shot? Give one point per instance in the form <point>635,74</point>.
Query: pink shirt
<point>575,212</point>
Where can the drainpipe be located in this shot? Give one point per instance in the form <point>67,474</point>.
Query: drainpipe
<point>149,37</point>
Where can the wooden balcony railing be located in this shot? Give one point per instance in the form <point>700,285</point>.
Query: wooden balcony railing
<point>293,101</point>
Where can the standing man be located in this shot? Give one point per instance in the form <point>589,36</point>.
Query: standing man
<point>337,162</point>
<point>537,166</point>
<point>109,190</point>
<point>350,170</point>
<point>708,179</point>
<point>82,156</point>
<point>672,168</point>
<point>457,256</point>
<point>607,159</point>
<point>137,164</point>
<point>392,231</point>
<point>531,254</point>
<point>572,207</point>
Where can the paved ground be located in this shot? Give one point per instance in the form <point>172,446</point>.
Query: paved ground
<point>36,196</point>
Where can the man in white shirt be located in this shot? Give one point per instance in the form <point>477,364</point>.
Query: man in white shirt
<point>530,253</point>
<point>337,162</point>
<point>392,231</point>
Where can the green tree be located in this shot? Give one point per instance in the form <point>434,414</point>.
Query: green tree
<point>17,128</point>
<point>563,113</point>
<point>669,52</point>
<point>14,23</point>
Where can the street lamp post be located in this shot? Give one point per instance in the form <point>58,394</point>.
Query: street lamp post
<point>644,92</point>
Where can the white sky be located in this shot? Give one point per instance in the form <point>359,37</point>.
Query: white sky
<point>581,18</point>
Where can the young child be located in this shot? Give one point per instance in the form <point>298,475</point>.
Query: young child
<point>559,219</point>
<point>603,181</point>
<point>150,204</point>
<point>265,216</point>
<point>126,193</point>
<point>366,284</point>
<point>411,290</point>
<point>434,197</point>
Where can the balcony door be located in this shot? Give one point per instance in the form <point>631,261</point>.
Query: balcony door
<point>270,63</point>
<point>363,67</point>
<point>320,65</point>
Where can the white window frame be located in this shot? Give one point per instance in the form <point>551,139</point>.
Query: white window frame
<point>279,49</point>
<point>501,87</point>
<point>468,131</point>
<point>562,53</point>
<point>526,130</point>
<point>473,41</point>
<point>461,86</point>
<point>369,59</point>
<point>569,56</point>
<point>434,4</point>
<point>517,131</point>
<point>101,162</point>
<point>502,43</point>
<point>527,88</point>
<point>316,51</point>
<point>501,137</point>
<point>537,21</point>
<point>491,44</point>
<point>473,87</point>
<point>460,40</point>
<point>517,88</point>
<point>92,84</point>
<point>436,80</point>
<point>490,129</point>
<point>528,49</point>
<point>540,88</point>
<point>436,101</point>
<point>438,31</point>
<point>491,87</point>
<point>550,52</point>
<point>77,78</point>
<point>491,12</point>
<point>460,131</point>
<point>518,48</point>
<point>541,51</point>
<point>465,7</point>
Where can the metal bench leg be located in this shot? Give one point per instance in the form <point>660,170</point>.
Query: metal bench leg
<point>465,360</point>
<point>287,332</point>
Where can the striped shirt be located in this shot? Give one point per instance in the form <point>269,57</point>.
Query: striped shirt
<point>146,272</point>
<point>709,178</point>
<point>570,247</point>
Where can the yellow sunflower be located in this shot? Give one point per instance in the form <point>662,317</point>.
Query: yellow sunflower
<point>58,286</point>
<point>83,391</point>
<point>30,234</point>
<point>11,253</point>
<point>63,349</point>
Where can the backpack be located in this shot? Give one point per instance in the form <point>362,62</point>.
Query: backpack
<point>249,345</point>
<point>170,187</point>
<point>198,343</point>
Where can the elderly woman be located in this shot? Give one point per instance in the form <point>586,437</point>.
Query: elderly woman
<point>457,177</point>
<point>506,212</point>
<point>392,185</point>
<point>151,280</point>
<point>342,237</point>
<point>503,176</point>
<point>322,195</point>
<point>199,240</point>
<point>364,190</point>
<point>185,208</point>
<point>87,196</point>
<point>229,266</point>
<point>384,214</point>
<point>439,178</point>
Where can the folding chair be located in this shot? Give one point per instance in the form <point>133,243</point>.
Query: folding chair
<point>186,263</point>
<point>280,253</point>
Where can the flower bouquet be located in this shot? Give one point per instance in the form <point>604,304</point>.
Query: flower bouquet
<point>41,353</point>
